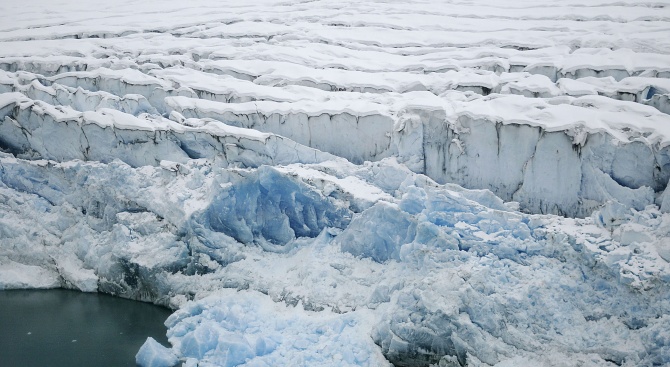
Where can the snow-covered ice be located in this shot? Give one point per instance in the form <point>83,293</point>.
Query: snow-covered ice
<point>346,183</point>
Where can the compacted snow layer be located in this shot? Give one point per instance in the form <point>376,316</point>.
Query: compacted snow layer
<point>347,183</point>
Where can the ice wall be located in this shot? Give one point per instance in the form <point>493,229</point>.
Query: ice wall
<point>564,166</point>
<point>546,172</point>
<point>561,154</point>
<point>37,130</point>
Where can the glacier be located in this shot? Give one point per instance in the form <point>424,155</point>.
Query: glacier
<point>347,184</point>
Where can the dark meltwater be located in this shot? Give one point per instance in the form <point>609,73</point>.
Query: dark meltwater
<point>69,328</point>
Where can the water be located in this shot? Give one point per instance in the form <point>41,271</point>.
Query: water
<point>68,328</point>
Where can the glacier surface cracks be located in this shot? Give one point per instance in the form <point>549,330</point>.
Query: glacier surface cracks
<point>336,184</point>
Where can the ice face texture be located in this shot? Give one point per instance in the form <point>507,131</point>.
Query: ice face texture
<point>346,184</point>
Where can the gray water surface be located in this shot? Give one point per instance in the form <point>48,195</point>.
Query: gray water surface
<point>68,328</point>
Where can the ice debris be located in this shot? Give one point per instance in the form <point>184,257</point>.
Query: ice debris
<point>153,354</point>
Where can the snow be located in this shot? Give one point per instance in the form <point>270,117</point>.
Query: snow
<point>593,113</point>
<point>347,183</point>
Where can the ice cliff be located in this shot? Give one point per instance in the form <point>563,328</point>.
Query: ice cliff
<point>335,184</point>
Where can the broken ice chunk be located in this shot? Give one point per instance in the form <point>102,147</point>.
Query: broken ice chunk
<point>153,354</point>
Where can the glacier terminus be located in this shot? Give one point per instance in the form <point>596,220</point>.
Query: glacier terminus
<point>347,183</point>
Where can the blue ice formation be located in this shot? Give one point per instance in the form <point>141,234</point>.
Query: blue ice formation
<point>367,265</point>
<point>153,354</point>
<point>248,329</point>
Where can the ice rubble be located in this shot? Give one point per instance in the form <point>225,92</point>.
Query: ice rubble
<point>440,271</point>
<point>247,328</point>
<point>319,183</point>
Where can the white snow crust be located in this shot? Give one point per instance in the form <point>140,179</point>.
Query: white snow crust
<point>346,183</point>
